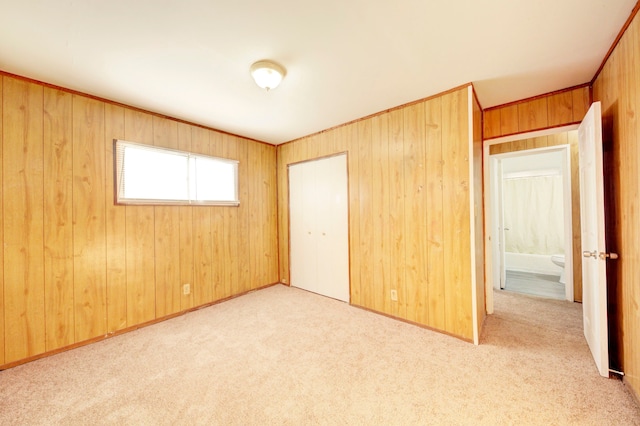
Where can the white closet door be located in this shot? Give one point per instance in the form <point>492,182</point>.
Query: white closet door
<point>319,231</point>
<point>302,228</point>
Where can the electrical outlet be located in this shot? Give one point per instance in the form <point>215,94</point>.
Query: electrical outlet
<point>394,295</point>
<point>186,289</point>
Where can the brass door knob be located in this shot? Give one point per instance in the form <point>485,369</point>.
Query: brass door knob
<point>611,256</point>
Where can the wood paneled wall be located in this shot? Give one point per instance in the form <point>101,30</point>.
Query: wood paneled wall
<point>478,211</point>
<point>618,88</point>
<point>75,266</point>
<point>564,138</point>
<point>550,110</point>
<point>410,214</point>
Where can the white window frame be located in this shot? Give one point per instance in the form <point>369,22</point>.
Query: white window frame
<point>190,180</point>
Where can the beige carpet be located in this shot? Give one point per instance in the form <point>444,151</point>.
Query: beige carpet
<point>285,356</point>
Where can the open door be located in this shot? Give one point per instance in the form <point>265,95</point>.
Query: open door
<point>496,216</point>
<point>501,228</point>
<point>594,267</point>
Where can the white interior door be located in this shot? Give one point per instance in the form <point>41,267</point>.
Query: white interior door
<point>302,227</point>
<point>502,228</point>
<point>319,226</point>
<point>594,268</point>
<point>496,225</point>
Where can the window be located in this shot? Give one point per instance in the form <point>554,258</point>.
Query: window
<point>151,175</point>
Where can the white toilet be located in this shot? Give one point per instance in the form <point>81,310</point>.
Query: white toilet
<point>558,259</point>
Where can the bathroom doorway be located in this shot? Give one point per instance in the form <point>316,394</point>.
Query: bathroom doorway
<point>531,215</point>
<point>540,171</point>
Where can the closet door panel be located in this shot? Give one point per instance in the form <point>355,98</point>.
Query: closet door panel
<point>302,241</point>
<point>333,246</point>
<point>309,255</point>
<point>319,227</point>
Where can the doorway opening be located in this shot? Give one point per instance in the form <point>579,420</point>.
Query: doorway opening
<point>591,286</point>
<point>532,219</point>
<point>533,163</point>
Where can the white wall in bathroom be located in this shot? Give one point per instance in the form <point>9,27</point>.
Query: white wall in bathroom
<point>533,263</point>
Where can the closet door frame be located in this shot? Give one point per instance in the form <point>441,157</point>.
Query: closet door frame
<point>313,235</point>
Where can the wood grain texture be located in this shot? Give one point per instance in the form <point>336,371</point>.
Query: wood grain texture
<point>630,292</point>
<point>381,203</point>
<point>548,110</point>
<point>282,156</point>
<point>203,250</point>
<point>300,151</point>
<point>558,139</point>
<point>266,261</point>
<point>326,143</point>
<point>532,143</point>
<point>520,145</point>
<point>496,149</point>
<point>509,120</point>
<point>351,141</point>
<point>231,250</point>
<point>140,240</point>
<point>255,206</point>
<point>533,115</point>
<point>618,89</point>
<point>89,233</point>
<point>339,139</point>
<point>560,108</point>
<point>396,244</point>
<point>456,187</point>
<point>58,223</point>
<point>81,267</point>
<point>166,233</point>
<point>581,101</point>
<point>630,171</point>
<point>24,307</point>
<point>115,226</point>
<point>186,230</point>
<point>405,207</point>
<point>313,150</point>
<point>435,238</point>
<point>415,201</point>
<point>221,287</point>
<point>492,124</point>
<point>2,308</point>
<point>271,213</point>
<point>572,139</point>
<point>366,213</point>
<point>478,211</point>
<point>618,108</point>
<point>244,236</point>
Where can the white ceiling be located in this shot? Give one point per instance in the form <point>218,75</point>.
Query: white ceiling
<point>345,59</point>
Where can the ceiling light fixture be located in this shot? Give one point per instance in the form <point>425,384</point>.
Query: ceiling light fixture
<point>267,74</point>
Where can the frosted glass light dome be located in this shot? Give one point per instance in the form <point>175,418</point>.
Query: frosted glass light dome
<point>267,74</point>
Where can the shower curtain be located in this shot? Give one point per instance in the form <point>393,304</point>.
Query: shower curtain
<point>533,213</point>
